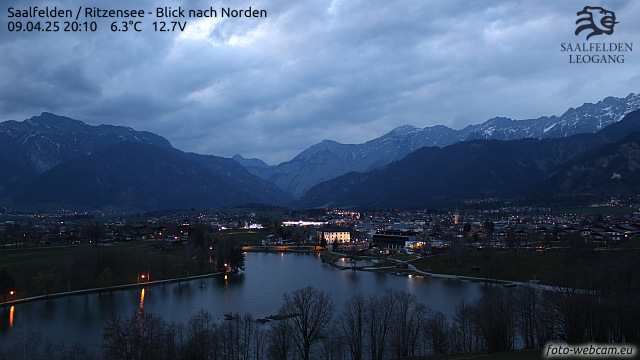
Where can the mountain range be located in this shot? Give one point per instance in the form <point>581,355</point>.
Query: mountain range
<point>48,140</point>
<point>478,169</point>
<point>50,159</point>
<point>329,159</point>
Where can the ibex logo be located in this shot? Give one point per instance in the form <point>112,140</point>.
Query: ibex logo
<point>597,20</point>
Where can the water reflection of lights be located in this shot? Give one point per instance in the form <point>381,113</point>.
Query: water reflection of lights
<point>13,308</point>
<point>142,299</point>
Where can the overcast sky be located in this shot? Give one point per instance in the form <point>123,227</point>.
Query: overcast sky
<point>345,70</point>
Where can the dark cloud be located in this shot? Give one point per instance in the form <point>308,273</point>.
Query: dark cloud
<point>347,70</point>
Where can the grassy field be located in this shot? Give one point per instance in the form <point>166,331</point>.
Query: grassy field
<point>628,245</point>
<point>248,237</point>
<point>403,257</point>
<point>38,271</point>
<point>504,265</point>
<point>547,267</point>
<point>58,269</point>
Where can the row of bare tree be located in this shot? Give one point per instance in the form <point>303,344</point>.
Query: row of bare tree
<point>392,325</point>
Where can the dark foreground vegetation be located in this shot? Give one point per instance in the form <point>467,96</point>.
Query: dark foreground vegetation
<point>392,325</point>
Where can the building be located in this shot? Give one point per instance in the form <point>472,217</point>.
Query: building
<point>334,234</point>
<point>393,240</point>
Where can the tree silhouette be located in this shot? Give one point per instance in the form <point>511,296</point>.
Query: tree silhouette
<point>307,312</point>
<point>7,283</point>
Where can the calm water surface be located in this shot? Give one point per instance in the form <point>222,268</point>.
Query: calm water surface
<point>257,290</point>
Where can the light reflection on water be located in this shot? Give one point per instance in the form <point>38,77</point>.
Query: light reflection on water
<point>258,290</point>
<point>346,262</point>
<point>142,300</point>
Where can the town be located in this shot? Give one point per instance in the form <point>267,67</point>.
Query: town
<point>419,232</point>
<point>561,259</point>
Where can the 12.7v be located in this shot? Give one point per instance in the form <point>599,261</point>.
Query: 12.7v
<point>169,26</point>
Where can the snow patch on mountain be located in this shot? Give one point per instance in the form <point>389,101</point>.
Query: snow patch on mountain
<point>330,159</point>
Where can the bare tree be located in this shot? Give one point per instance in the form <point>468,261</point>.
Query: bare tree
<point>437,328</point>
<point>246,332</point>
<point>7,283</point>
<point>546,319</point>
<point>418,317</point>
<point>379,321</point>
<point>84,260</point>
<point>236,335</point>
<point>141,336</point>
<point>512,240</point>
<point>260,342</point>
<point>333,344</point>
<point>105,279</point>
<point>175,341</point>
<point>409,320</point>
<point>462,323</point>
<point>307,312</point>
<point>91,231</point>
<point>201,331</point>
<point>353,325</point>
<point>46,280</point>
<point>279,341</point>
<point>527,300</point>
<point>495,321</point>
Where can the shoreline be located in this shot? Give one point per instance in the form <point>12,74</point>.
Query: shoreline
<point>293,250</point>
<point>304,249</point>
<point>105,289</point>
<point>415,271</point>
<point>412,268</point>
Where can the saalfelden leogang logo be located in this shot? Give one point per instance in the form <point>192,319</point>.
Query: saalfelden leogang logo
<point>595,21</point>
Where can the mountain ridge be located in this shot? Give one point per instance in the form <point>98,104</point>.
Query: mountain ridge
<point>43,153</point>
<point>611,169</point>
<point>50,139</point>
<point>329,159</point>
<point>434,176</point>
<point>49,160</point>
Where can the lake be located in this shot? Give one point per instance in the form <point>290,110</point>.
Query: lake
<point>257,290</point>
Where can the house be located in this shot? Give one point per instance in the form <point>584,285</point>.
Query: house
<point>625,231</point>
<point>331,234</point>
